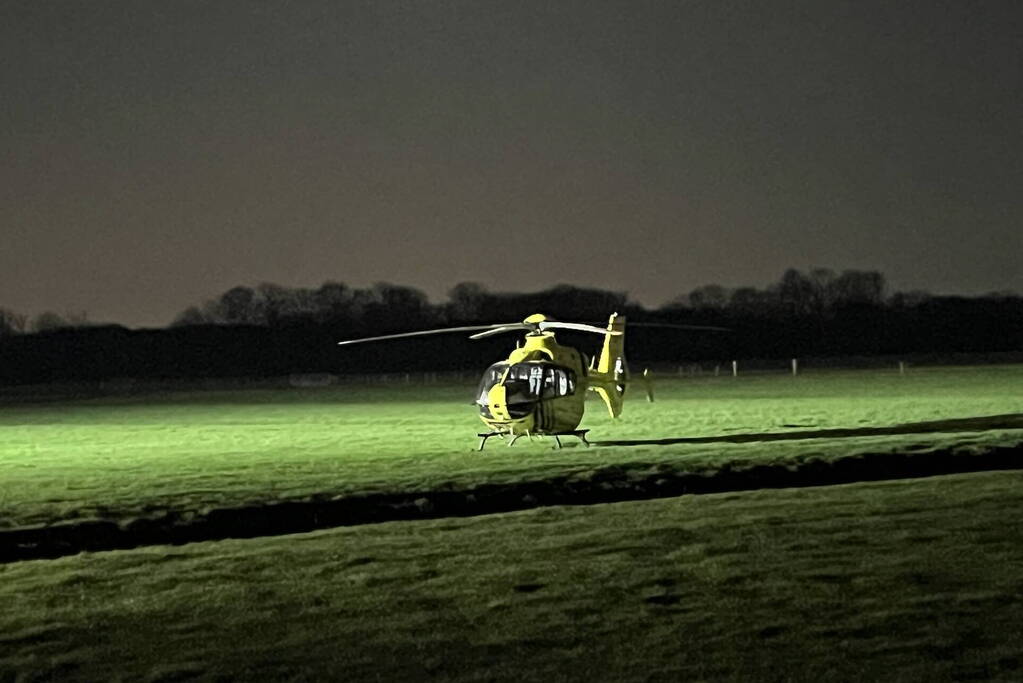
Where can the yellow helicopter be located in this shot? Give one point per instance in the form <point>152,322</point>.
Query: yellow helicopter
<point>540,389</point>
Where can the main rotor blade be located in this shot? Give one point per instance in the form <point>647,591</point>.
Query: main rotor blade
<point>421,333</point>
<point>582,327</point>
<point>518,327</point>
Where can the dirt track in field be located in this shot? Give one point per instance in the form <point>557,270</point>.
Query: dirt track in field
<point>600,485</point>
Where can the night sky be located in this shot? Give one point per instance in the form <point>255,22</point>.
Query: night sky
<point>155,154</point>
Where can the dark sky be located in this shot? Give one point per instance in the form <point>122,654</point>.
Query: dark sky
<point>155,154</point>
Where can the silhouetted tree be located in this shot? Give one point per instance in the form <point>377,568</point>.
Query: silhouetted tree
<point>749,301</point>
<point>272,303</point>
<point>822,292</point>
<point>393,307</point>
<point>333,302</point>
<point>910,299</point>
<point>235,306</point>
<point>467,301</point>
<point>794,293</point>
<point>860,287</point>
<point>11,322</point>
<point>47,321</point>
<point>708,297</point>
<point>303,306</point>
<point>190,316</point>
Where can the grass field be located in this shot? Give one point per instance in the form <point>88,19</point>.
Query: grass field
<point>123,458</point>
<point>909,580</point>
<point>906,579</point>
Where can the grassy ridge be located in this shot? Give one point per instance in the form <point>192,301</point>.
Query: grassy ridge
<point>911,580</point>
<point>123,458</point>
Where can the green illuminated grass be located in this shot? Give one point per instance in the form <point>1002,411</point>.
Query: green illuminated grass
<point>911,580</point>
<point>907,580</point>
<point>136,456</point>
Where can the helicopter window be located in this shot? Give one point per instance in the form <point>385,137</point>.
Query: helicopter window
<point>523,383</point>
<point>535,379</point>
<point>558,382</point>
<point>550,383</point>
<point>491,377</point>
<point>527,382</point>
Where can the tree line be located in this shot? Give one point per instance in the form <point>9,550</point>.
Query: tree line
<point>270,330</point>
<point>820,293</point>
<point>17,323</point>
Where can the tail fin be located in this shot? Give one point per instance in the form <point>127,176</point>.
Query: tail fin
<point>608,373</point>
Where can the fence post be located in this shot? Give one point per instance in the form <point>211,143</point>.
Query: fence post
<point>902,367</point>
<point>795,366</point>
<point>735,368</point>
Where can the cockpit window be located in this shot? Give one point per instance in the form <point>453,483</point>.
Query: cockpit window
<point>524,382</point>
<point>491,377</point>
<point>527,382</point>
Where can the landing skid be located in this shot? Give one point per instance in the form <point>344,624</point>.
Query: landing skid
<point>577,433</point>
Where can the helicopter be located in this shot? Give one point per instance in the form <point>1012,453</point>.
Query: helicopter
<point>540,388</point>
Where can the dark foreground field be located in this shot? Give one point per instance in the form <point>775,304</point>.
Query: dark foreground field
<point>909,580</point>
<point>773,577</point>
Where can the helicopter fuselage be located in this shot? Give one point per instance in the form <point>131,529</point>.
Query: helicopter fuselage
<point>539,389</point>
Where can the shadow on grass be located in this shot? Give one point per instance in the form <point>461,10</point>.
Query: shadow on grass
<point>968,424</point>
<point>601,485</point>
